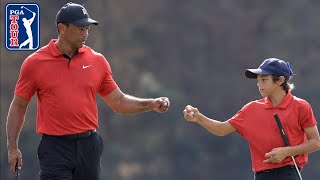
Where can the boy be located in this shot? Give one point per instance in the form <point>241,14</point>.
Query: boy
<point>271,160</point>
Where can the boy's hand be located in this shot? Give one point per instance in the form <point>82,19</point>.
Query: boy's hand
<point>276,155</point>
<point>191,113</point>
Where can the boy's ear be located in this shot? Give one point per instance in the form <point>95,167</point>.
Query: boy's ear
<point>281,80</point>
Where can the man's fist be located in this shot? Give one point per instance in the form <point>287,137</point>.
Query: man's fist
<point>161,104</point>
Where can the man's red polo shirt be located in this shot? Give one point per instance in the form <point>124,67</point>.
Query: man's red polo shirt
<point>256,123</point>
<point>66,90</point>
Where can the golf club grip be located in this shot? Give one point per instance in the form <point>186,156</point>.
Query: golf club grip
<point>283,134</point>
<point>16,172</point>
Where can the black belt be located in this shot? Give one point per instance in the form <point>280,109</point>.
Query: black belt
<point>75,136</point>
<point>278,169</point>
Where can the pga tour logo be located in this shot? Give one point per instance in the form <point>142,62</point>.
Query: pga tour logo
<point>22,26</point>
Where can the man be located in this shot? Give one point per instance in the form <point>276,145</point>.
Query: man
<point>255,122</point>
<point>67,75</point>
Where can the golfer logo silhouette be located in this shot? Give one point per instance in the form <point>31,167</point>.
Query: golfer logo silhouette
<point>27,24</point>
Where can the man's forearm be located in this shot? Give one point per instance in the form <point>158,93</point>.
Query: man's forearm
<point>130,105</point>
<point>14,125</point>
<point>125,104</point>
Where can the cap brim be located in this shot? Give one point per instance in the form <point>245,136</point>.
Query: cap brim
<point>252,73</point>
<point>85,22</point>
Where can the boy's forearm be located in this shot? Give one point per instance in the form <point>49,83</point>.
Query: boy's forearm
<point>310,146</point>
<point>213,126</point>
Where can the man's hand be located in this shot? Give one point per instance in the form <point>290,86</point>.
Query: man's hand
<point>276,155</point>
<point>191,113</point>
<point>14,158</point>
<point>161,104</point>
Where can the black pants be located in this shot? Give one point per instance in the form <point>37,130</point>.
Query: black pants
<point>64,159</point>
<point>284,173</point>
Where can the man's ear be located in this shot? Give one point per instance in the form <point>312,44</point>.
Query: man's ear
<point>61,28</point>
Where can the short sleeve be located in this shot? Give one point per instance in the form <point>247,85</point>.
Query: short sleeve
<point>238,121</point>
<point>108,84</point>
<point>26,84</point>
<point>307,118</point>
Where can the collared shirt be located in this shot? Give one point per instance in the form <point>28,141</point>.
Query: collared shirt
<point>256,123</point>
<point>66,90</point>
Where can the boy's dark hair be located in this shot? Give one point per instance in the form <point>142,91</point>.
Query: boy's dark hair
<point>285,85</point>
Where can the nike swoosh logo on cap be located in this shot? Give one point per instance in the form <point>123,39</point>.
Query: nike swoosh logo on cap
<point>84,67</point>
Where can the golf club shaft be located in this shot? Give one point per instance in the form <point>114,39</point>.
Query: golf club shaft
<point>27,9</point>
<point>286,141</point>
<point>297,169</point>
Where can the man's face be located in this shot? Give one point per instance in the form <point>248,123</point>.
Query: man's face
<point>75,36</point>
<point>266,85</point>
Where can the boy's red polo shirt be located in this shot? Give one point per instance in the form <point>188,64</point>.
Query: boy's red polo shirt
<point>66,90</point>
<point>256,123</point>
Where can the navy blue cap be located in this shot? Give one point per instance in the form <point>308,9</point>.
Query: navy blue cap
<point>74,14</point>
<point>271,66</point>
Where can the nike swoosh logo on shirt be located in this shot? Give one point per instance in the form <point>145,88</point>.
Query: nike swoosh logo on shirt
<point>84,67</point>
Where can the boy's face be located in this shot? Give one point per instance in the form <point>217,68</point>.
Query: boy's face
<point>266,85</point>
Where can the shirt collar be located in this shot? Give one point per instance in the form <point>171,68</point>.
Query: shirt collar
<point>56,52</point>
<point>283,104</point>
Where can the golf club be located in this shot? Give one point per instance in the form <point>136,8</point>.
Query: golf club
<point>16,172</point>
<point>26,9</point>
<point>286,141</point>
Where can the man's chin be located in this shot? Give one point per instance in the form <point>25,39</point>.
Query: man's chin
<point>80,45</point>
